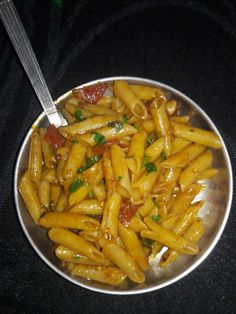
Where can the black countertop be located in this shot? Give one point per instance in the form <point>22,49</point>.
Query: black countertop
<point>190,45</point>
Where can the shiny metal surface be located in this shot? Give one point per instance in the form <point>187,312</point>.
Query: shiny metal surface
<point>20,41</point>
<point>217,196</point>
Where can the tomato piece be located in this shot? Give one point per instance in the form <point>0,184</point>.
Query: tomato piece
<point>53,137</point>
<point>99,150</point>
<point>127,211</point>
<point>91,93</point>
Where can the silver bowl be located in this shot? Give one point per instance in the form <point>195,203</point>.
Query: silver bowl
<point>217,196</point>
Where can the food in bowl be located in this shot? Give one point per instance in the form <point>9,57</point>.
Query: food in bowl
<point>116,186</point>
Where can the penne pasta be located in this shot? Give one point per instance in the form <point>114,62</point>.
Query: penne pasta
<point>88,125</point>
<point>183,157</point>
<point>68,220</point>
<point>74,160</point>
<point>124,261</point>
<point>110,275</point>
<point>196,135</point>
<point>193,234</point>
<point>133,246</point>
<point>190,174</point>
<point>75,243</point>
<point>70,256</point>
<point>168,238</point>
<point>35,158</point>
<point>108,132</point>
<point>136,150</point>
<point>120,170</point>
<point>30,197</point>
<point>88,207</point>
<point>125,93</point>
<point>44,193</point>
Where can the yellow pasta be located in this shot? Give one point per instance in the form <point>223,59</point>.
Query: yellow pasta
<point>144,92</point>
<point>120,170</point>
<point>124,92</point>
<point>74,160</point>
<point>30,197</point>
<point>35,158</point>
<point>110,275</point>
<point>168,238</point>
<point>108,132</point>
<point>133,246</point>
<point>136,151</point>
<point>44,193</point>
<point>193,234</point>
<point>200,136</point>
<point>68,255</point>
<point>87,125</point>
<point>88,207</point>
<point>48,155</point>
<point>124,261</point>
<point>76,243</point>
<point>68,220</point>
<point>184,199</point>
<point>190,174</point>
<point>154,150</point>
<point>119,182</point>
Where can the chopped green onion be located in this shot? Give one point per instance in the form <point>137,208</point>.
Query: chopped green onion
<point>150,139</point>
<point>77,256</point>
<point>120,177</point>
<point>79,115</point>
<point>75,185</point>
<point>99,139</point>
<point>163,156</point>
<point>145,160</point>
<point>118,125</point>
<point>147,242</point>
<point>89,163</point>
<point>75,141</point>
<point>156,218</point>
<point>150,167</point>
<point>125,119</point>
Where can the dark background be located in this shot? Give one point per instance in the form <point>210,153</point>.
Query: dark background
<point>190,45</point>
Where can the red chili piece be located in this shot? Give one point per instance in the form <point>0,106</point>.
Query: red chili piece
<point>127,211</point>
<point>53,137</point>
<point>91,93</point>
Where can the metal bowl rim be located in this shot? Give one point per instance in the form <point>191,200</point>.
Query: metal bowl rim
<point>189,269</point>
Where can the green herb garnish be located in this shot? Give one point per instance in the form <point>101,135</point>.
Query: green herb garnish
<point>75,141</point>
<point>150,139</point>
<point>163,156</point>
<point>119,178</point>
<point>90,161</point>
<point>145,160</point>
<point>99,139</point>
<point>75,185</point>
<point>118,125</point>
<point>79,115</point>
<point>156,218</point>
<point>77,256</point>
<point>147,242</point>
<point>125,119</point>
<point>150,167</point>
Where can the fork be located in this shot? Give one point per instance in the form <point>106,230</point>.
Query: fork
<point>21,43</point>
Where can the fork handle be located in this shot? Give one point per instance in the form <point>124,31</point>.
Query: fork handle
<point>20,41</point>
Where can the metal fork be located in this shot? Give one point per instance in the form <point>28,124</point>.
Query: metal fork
<point>20,41</point>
